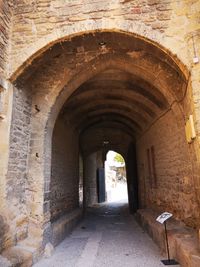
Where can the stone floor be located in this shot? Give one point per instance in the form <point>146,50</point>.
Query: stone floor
<point>108,236</point>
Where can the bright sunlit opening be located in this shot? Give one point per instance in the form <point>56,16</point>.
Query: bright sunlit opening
<point>115,174</point>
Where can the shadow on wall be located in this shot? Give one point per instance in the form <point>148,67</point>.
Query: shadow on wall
<point>3,233</point>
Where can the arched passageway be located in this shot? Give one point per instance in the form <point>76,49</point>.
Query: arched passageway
<point>115,178</point>
<point>86,90</point>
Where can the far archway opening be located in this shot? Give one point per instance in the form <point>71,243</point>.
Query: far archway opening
<point>115,178</point>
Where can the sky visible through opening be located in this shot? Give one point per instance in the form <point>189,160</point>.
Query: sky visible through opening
<point>115,174</point>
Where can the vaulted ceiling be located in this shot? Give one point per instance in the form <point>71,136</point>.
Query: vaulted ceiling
<point>115,82</point>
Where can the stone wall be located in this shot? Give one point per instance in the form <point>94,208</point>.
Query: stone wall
<point>65,174</point>
<point>36,26</point>
<point>172,24</point>
<point>39,23</point>
<point>16,180</point>
<point>5,116</point>
<point>5,22</point>
<point>170,187</point>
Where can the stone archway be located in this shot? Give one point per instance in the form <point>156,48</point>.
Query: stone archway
<point>107,78</point>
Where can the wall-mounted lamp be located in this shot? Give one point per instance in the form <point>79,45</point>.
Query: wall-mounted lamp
<point>102,43</point>
<point>106,142</point>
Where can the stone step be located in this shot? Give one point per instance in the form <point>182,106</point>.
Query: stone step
<point>183,241</point>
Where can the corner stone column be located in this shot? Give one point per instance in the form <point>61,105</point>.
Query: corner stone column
<point>196,96</point>
<point>6,102</point>
<point>89,178</point>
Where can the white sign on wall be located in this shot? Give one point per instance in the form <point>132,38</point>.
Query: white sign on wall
<point>163,217</point>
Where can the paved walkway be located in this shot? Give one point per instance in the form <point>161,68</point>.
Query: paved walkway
<point>109,237</point>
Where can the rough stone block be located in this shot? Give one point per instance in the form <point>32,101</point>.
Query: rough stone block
<point>64,225</point>
<point>5,262</point>
<point>48,251</point>
<point>195,260</point>
<point>18,257</point>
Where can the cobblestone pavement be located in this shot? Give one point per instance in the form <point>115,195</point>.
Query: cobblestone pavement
<point>108,236</point>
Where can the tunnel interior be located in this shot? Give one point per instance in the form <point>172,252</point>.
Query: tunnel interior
<point>102,91</point>
<point>132,86</point>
